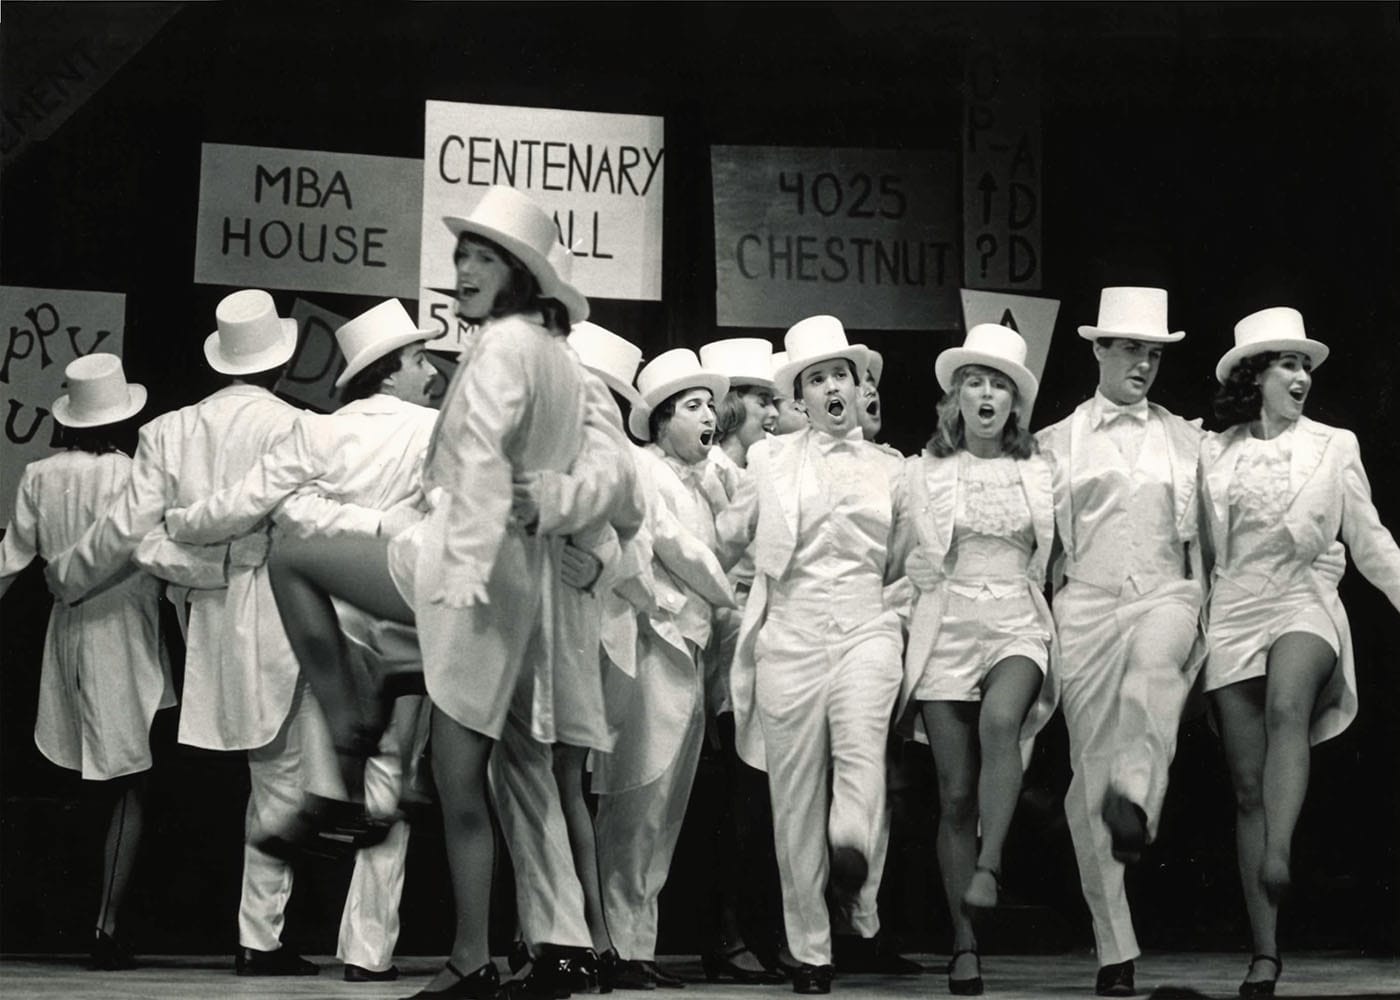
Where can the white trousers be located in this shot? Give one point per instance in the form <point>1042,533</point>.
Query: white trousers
<point>548,894</point>
<point>1124,681</point>
<point>369,924</point>
<point>300,758</point>
<point>824,701</point>
<point>637,833</point>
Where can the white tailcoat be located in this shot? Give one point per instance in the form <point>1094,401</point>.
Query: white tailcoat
<point>240,672</point>
<point>1331,497</point>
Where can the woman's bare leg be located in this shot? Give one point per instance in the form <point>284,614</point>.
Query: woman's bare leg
<point>568,776</point>
<point>460,756</point>
<point>952,733</point>
<point>1008,694</point>
<point>124,828</point>
<point>305,575</point>
<point>1299,665</point>
<point>1240,711</point>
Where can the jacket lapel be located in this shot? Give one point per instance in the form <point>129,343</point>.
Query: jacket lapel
<point>1037,484</point>
<point>1183,452</point>
<point>1221,453</point>
<point>936,486</point>
<point>1309,442</point>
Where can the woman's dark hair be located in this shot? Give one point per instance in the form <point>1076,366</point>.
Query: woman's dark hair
<point>949,434</point>
<point>522,292</point>
<point>370,379</point>
<point>102,440</point>
<point>731,411</point>
<point>1239,400</point>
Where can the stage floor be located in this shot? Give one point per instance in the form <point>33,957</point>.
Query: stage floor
<point>1011,977</point>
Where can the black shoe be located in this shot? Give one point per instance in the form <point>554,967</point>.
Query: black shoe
<point>631,975</point>
<point>847,877</point>
<point>608,962</point>
<point>1262,987</point>
<point>282,962</point>
<point>1127,826</point>
<point>359,974</point>
<point>812,979</point>
<point>332,829</point>
<point>664,979</point>
<point>870,955</point>
<point>483,984</point>
<point>1115,980</point>
<point>109,955</point>
<point>965,987</point>
<point>720,964</point>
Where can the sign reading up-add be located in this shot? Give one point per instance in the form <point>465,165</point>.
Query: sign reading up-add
<point>868,235</point>
<point>598,174</point>
<point>313,221</point>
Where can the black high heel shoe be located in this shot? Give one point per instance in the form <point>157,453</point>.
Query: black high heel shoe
<point>109,954</point>
<point>483,984</point>
<point>719,964</point>
<point>1262,987</point>
<point>965,987</point>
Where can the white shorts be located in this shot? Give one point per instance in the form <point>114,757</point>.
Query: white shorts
<point>976,635</point>
<point>1245,626</point>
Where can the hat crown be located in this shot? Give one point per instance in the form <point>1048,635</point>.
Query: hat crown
<point>1276,323</point>
<point>744,360</point>
<point>96,386</point>
<point>516,215</point>
<point>998,341</point>
<point>664,370</point>
<point>248,324</point>
<point>1128,310</point>
<point>814,336</point>
<point>602,350</point>
<point>388,321</point>
<point>780,358</point>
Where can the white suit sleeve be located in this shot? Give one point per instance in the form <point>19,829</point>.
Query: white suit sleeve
<point>108,543</point>
<point>307,513</point>
<point>597,485</point>
<point>478,493</point>
<point>1372,546</point>
<point>233,510</point>
<point>199,567</point>
<point>735,525</point>
<point>21,542</point>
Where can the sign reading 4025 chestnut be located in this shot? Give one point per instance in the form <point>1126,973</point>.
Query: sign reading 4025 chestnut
<point>869,235</point>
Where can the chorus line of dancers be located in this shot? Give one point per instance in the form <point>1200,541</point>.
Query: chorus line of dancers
<point>573,571</point>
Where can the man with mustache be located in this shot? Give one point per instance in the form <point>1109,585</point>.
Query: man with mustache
<point>818,665</point>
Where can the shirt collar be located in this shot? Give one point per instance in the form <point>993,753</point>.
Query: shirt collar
<point>1105,411</point>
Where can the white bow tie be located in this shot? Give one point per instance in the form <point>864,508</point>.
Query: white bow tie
<point>1109,411</point>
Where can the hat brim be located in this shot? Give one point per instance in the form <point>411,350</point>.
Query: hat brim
<point>945,366</point>
<point>623,389</point>
<point>551,285</point>
<point>136,399</point>
<point>1098,333</point>
<point>1316,351</point>
<point>857,355</point>
<point>262,361</point>
<point>761,382</point>
<point>639,420</point>
<point>379,349</point>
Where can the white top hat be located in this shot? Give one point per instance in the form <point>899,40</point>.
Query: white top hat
<point>1276,329</point>
<point>746,360</point>
<point>374,334</point>
<point>814,340</point>
<point>513,220</point>
<point>875,365</point>
<point>1134,313</point>
<point>610,357</point>
<point>98,393</point>
<point>663,377</point>
<point>251,336</point>
<point>997,347</point>
<point>780,359</point>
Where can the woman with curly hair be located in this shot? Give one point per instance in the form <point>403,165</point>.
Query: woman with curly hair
<point>977,664</point>
<point>1278,489</point>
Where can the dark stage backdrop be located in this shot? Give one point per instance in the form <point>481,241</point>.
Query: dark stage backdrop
<point>1242,156</point>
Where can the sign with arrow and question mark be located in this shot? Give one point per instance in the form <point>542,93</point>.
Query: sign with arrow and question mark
<point>1001,170</point>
